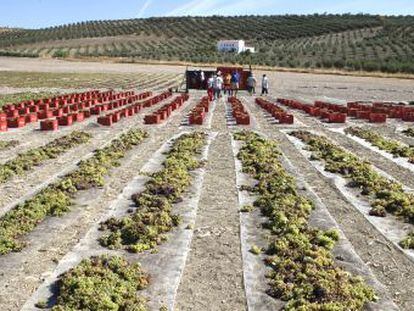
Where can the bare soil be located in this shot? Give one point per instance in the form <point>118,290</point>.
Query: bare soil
<point>213,272</point>
<point>24,271</point>
<point>390,266</point>
<point>213,277</point>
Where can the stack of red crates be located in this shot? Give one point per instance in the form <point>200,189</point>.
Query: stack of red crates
<point>333,113</point>
<point>130,107</point>
<point>165,111</point>
<point>65,109</point>
<point>199,112</point>
<point>277,112</point>
<point>238,111</point>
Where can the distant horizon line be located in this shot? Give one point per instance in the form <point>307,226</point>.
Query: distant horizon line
<point>206,16</point>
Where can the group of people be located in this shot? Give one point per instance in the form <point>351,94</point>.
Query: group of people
<point>251,84</point>
<point>230,84</point>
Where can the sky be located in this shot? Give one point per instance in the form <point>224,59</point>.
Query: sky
<point>45,13</point>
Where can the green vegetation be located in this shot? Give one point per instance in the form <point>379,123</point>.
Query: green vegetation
<point>153,217</point>
<point>19,97</point>
<point>247,209</point>
<point>392,146</point>
<point>384,195</point>
<point>255,250</point>
<point>102,283</point>
<point>61,54</point>
<point>56,199</point>
<point>26,161</point>
<point>408,242</point>
<point>303,271</point>
<point>409,132</point>
<point>7,144</point>
<point>348,42</point>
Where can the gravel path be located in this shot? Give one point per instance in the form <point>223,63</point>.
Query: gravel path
<point>213,277</point>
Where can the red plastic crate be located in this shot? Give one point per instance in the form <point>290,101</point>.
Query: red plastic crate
<point>377,118</point>
<point>363,114</point>
<point>49,125</point>
<point>315,111</point>
<point>58,112</point>
<point>44,106</point>
<point>34,108</point>
<point>32,117</point>
<point>196,119</point>
<point>325,114</point>
<point>44,114</point>
<point>337,118</point>
<point>105,120</point>
<point>124,113</point>
<point>408,117</point>
<point>131,111</point>
<point>74,108</point>
<point>3,117</point>
<point>87,113</point>
<point>24,111</point>
<point>78,116</point>
<point>12,114</point>
<point>163,114</point>
<point>96,110</point>
<point>3,126</point>
<point>65,120</point>
<point>243,119</point>
<point>152,119</point>
<point>116,116</point>
<point>16,122</point>
<point>286,119</point>
<point>137,108</point>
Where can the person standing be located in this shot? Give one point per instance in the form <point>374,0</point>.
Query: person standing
<point>227,84</point>
<point>218,85</point>
<point>265,85</point>
<point>251,84</point>
<point>210,87</point>
<point>235,83</point>
<point>202,79</point>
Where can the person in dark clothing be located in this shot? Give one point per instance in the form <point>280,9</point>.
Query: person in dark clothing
<point>235,83</point>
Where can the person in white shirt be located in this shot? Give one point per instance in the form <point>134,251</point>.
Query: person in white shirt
<point>202,79</point>
<point>210,87</point>
<point>210,82</point>
<point>265,85</point>
<point>218,85</point>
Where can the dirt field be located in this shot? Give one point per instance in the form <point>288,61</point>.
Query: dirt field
<point>305,86</point>
<point>205,263</point>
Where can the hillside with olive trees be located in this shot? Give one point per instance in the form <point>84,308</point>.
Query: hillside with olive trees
<point>346,42</point>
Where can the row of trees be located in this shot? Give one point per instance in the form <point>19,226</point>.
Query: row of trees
<point>249,27</point>
<point>351,42</point>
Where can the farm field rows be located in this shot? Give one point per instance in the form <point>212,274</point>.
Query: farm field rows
<point>345,42</point>
<point>192,204</point>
